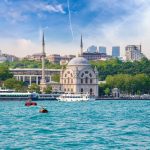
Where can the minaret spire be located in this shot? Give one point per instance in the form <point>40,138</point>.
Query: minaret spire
<point>81,45</point>
<point>43,81</point>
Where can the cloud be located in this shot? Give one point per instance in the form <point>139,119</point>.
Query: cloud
<point>129,28</point>
<point>22,10</point>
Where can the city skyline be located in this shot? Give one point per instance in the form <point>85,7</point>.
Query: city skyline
<point>102,23</point>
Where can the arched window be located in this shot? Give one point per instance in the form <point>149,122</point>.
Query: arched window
<point>90,75</point>
<point>90,80</point>
<point>81,90</point>
<point>71,80</point>
<point>91,91</point>
<point>81,80</point>
<point>82,74</point>
<point>86,80</point>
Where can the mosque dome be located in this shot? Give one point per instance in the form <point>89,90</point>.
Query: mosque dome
<point>78,61</point>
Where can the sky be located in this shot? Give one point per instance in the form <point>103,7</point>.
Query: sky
<point>101,23</point>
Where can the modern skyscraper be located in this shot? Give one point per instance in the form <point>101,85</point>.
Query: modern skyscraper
<point>116,51</point>
<point>92,49</point>
<point>43,81</point>
<point>102,49</point>
<point>133,52</point>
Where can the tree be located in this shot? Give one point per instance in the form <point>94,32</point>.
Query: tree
<point>34,88</point>
<point>12,83</point>
<point>56,77</point>
<point>48,90</point>
<point>5,73</point>
<point>107,91</point>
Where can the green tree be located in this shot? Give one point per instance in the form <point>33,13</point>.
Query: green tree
<point>48,90</point>
<point>5,73</point>
<point>12,83</point>
<point>34,88</point>
<point>107,91</point>
<point>56,77</point>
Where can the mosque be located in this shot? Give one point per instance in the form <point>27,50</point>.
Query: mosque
<point>79,76</point>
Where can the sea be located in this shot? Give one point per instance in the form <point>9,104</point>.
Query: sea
<point>97,125</point>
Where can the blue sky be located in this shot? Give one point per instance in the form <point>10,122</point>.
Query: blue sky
<point>101,22</point>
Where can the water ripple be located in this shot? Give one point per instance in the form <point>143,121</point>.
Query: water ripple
<point>92,125</point>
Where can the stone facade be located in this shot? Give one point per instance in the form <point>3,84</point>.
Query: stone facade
<point>79,77</point>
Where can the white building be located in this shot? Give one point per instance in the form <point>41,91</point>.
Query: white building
<point>79,77</point>
<point>133,52</point>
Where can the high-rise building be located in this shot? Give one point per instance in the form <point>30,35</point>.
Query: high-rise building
<point>102,49</point>
<point>133,52</point>
<point>116,51</point>
<point>92,49</point>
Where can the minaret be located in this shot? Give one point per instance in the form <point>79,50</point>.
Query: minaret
<point>43,81</point>
<point>81,46</point>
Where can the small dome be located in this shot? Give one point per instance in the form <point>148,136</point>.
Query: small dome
<point>78,61</point>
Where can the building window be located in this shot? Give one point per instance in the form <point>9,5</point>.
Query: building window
<point>68,80</point>
<point>86,72</point>
<point>64,80</point>
<point>71,90</point>
<point>81,80</point>
<point>90,75</point>
<point>71,80</point>
<point>71,75</point>
<point>65,90</point>
<point>90,80</point>
<point>91,91</point>
<point>68,89</point>
<point>86,80</point>
<point>65,75</point>
<point>81,90</point>
<point>82,74</point>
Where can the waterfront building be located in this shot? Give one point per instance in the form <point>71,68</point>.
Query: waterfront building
<point>102,49</point>
<point>33,75</point>
<point>133,52</point>
<point>115,51</point>
<point>92,49</point>
<point>79,76</point>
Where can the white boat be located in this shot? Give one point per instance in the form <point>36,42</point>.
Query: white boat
<point>70,97</point>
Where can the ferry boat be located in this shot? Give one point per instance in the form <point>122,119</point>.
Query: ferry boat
<point>71,97</point>
<point>10,94</point>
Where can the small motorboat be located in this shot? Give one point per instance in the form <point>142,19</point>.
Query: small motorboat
<point>30,103</point>
<point>43,110</point>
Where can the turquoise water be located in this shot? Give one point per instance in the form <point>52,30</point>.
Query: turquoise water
<point>77,125</point>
